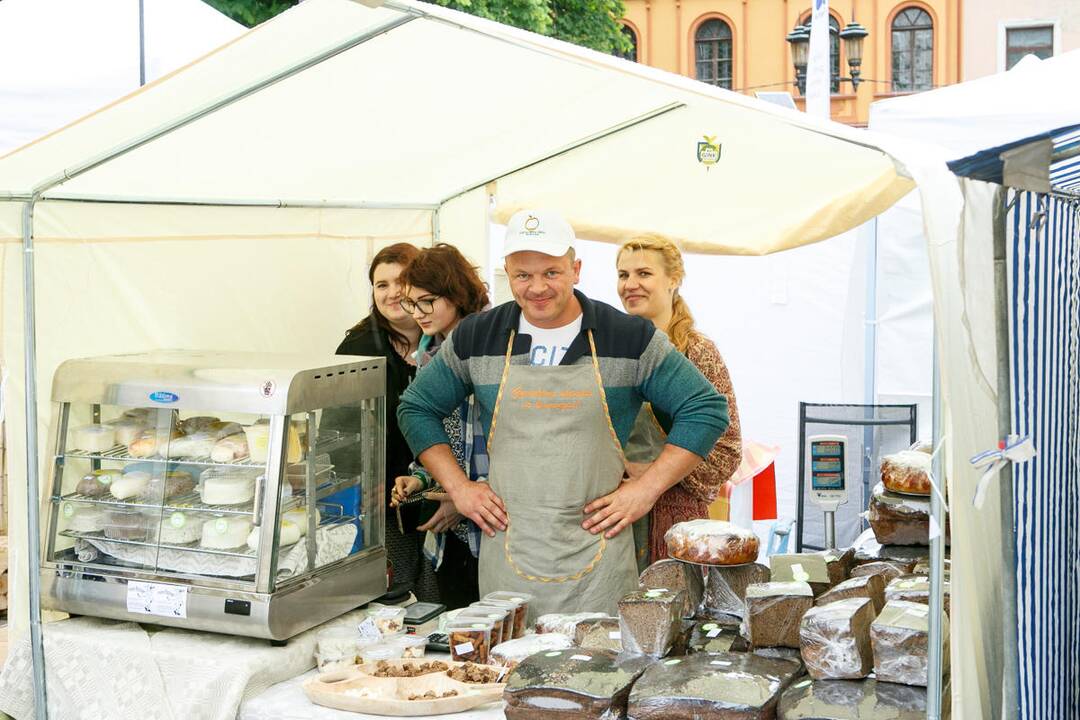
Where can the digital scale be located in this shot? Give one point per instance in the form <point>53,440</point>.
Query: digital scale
<point>828,489</point>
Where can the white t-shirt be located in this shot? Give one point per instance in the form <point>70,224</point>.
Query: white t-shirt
<point>549,345</point>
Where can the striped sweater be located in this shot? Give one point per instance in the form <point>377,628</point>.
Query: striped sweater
<point>637,363</point>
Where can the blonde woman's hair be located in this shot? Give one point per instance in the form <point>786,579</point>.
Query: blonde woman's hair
<point>681,327</point>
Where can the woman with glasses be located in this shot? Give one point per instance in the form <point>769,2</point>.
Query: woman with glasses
<point>390,332</point>
<point>441,288</point>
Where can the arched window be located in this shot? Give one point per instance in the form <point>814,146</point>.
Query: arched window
<point>912,50</point>
<point>834,52</point>
<point>630,54</point>
<point>712,53</point>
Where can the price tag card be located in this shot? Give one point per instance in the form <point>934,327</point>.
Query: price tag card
<point>369,630</point>
<point>157,599</point>
<point>463,648</point>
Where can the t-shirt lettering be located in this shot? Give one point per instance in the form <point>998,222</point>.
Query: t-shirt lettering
<point>549,345</point>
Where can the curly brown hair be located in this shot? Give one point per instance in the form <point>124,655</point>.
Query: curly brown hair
<point>444,271</point>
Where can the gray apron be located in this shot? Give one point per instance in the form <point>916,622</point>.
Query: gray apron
<point>646,441</point>
<point>552,450</point>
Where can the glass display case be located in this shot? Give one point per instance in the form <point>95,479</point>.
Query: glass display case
<point>231,492</point>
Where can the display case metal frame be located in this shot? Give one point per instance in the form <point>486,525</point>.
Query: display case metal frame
<point>274,386</point>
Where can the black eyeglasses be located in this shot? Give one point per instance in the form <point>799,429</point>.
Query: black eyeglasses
<point>426,305</point>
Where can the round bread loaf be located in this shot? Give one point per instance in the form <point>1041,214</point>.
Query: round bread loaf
<point>711,542</point>
<point>907,472</point>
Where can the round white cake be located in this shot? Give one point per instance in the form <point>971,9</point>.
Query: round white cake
<point>93,438</point>
<point>180,528</point>
<point>130,484</point>
<point>290,534</point>
<point>225,533</point>
<point>219,486</point>
<point>83,519</point>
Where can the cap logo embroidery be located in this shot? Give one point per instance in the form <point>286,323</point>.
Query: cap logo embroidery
<point>532,223</point>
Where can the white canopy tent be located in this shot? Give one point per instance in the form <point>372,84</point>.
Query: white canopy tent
<point>232,204</point>
<point>61,59</point>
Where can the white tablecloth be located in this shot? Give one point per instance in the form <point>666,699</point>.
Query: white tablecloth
<point>286,701</point>
<point>98,669</point>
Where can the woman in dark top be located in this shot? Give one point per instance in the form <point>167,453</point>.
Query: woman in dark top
<point>390,332</point>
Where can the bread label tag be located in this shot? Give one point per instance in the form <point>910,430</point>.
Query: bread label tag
<point>803,684</point>
<point>221,526</point>
<point>463,648</point>
<point>368,629</point>
<point>614,635</point>
<point>553,654</point>
<point>673,661</point>
<point>709,626</point>
<point>799,574</point>
<point>581,657</point>
<point>69,510</point>
<point>177,519</point>
<point>656,593</point>
<point>721,663</point>
<point>713,633</point>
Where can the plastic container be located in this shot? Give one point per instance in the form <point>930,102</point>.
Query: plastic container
<point>258,440</point>
<point>503,619</point>
<point>521,601</point>
<point>412,646</point>
<point>389,620</point>
<point>381,651</point>
<point>93,438</point>
<point>337,645</point>
<point>124,523</point>
<point>470,640</point>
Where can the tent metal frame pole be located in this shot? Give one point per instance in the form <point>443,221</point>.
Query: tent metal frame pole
<point>142,42</point>
<point>1010,667</point>
<point>935,659</point>
<point>235,202</point>
<point>33,492</point>
<point>212,107</point>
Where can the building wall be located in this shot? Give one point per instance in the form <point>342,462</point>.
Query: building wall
<point>984,31</point>
<point>761,56</point>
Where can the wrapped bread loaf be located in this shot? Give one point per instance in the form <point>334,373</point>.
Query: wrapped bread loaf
<point>230,449</point>
<point>603,634</point>
<point>512,652</point>
<point>852,699</point>
<point>564,623</point>
<point>669,574</point>
<point>153,442</point>
<point>727,686</point>
<point>811,568</point>
<point>572,684</point>
<point>711,636</point>
<point>871,587</point>
<point>792,655</point>
<point>711,542</point>
<point>887,569</point>
<point>835,640</point>
<point>774,611</point>
<point>913,588</point>
<point>900,519</point>
<point>868,549</point>
<point>906,472</point>
<point>923,568</point>
<point>649,620</point>
<point>725,588</point>
<point>899,637</point>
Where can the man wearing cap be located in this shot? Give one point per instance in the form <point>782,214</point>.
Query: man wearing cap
<point>559,380</point>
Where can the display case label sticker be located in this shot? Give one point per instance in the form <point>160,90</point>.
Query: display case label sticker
<point>164,397</point>
<point>157,599</point>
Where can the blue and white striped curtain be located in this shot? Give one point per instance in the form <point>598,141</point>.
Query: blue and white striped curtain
<point>1044,244</point>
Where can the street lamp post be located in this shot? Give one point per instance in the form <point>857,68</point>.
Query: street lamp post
<point>852,35</point>
<point>799,38</point>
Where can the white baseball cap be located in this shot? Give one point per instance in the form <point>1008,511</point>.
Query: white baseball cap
<point>542,231</point>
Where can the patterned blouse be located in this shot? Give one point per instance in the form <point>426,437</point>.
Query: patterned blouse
<point>705,481</point>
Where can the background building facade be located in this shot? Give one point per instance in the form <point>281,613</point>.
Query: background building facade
<point>912,45</point>
<point>1003,31</point>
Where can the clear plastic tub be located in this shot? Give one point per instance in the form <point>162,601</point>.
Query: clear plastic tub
<point>521,602</point>
<point>381,651</point>
<point>122,523</point>
<point>388,620</point>
<point>338,646</point>
<point>412,646</point>
<point>470,640</point>
<point>503,619</point>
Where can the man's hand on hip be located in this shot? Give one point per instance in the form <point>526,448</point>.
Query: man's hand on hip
<point>613,513</point>
<point>478,502</point>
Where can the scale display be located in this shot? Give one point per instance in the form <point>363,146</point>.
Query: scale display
<point>828,486</point>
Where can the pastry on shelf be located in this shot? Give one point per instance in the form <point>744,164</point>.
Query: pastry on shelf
<point>96,482</point>
<point>181,528</point>
<point>299,517</point>
<point>93,438</point>
<point>126,429</point>
<point>227,486</point>
<point>225,533</point>
<point>230,449</point>
<point>152,442</point>
<point>199,423</point>
<point>83,518</point>
<point>124,523</point>
<point>290,535</point>
<point>129,485</point>
<point>175,483</point>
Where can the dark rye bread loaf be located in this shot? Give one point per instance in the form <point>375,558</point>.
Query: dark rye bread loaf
<point>774,611</point>
<point>870,586</point>
<point>572,684</point>
<point>602,634</point>
<point>650,620</point>
<point>835,640</point>
<point>720,686</point>
<point>888,569</point>
<point>725,588</point>
<point>899,639</point>
<point>671,574</point>
<point>914,588</point>
<point>852,699</point>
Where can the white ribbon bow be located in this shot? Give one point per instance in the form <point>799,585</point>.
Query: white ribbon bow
<point>1017,449</point>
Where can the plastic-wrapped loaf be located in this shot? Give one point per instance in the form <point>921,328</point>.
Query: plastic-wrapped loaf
<point>923,568</point>
<point>835,640</point>
<point>900,519</point>
<point>840,563</point>
<point>672,574</point>
<point>711,542</point>
<point>868,549</point>
<point>871,587</point>
<point>649,620</point>
<point>565,624</point>
<point>899,637</point>
<point>913,588</point>
<point>792,655</point>
<point>711,636</point>
<point>810,568</point>
<point>907,471</point>
<point>603,634</point>
<point>726,686</point>
<point>889,570</point>
<point>774,611</point>
<point>572,684</point>
<point>512,652</point>
<point>725,588</point>
<point>852,700</point>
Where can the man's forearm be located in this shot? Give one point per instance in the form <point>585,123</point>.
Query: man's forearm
<point>439,461</point>
<point>670,468</point>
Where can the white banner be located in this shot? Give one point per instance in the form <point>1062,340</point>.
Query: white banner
<point>818,67</point>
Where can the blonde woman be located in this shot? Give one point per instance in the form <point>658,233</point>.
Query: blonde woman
<point>650,272</point>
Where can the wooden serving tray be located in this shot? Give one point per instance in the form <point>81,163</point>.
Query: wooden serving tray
<point>357,690</point>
